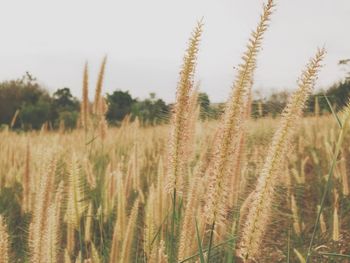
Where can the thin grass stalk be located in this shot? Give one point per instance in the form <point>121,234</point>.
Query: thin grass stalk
<point>336,230</point>
<point>14,118</point>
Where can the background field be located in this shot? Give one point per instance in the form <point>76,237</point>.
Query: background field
<point>129,164</point>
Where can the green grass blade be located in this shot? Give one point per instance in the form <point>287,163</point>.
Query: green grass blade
<point>288,249</point>
<point>334,255</point>
<point>159,228</point>
<point>333,111</point>
<point>200,249</point>
<point>205,250</point>
<point>210,240</point>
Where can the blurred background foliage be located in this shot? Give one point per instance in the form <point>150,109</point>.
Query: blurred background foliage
<point>25,105</point>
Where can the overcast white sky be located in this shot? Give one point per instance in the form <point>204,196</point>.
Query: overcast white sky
<point>145,42</point>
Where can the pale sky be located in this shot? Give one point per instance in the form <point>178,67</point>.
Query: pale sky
<point>145,42</point>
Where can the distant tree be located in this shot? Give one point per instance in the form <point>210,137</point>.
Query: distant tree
<point>25,95</point>
<point>33,116</point>
<point>345,62</point>
<point>151,110</point>
<point>64,108</point>
<point>339,94</point>
<point>63,98</point>
<point>275,103</point>
<point>119,105</point>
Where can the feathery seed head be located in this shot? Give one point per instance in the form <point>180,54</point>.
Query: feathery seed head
<point>179,133</point>
<point>84,110</point>
<point>261,206</point>
<point>98,89</point>
<point>232,122</point>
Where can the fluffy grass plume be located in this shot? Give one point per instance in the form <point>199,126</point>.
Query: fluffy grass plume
<point>232,122</point>
<point>26,200</point>
<point>129,233</point>
<point>260,208</point>
<point>76,203</point>
<point>84,107</point>
<point>179,131</point>
<point>98,90</point>
<point>39,221</point>
<point>51,244</point>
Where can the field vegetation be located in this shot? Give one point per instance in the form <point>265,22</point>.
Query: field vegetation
<point>192,189</point>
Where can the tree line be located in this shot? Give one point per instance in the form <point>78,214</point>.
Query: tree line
<point>25,104</point>
<point>337,95</point>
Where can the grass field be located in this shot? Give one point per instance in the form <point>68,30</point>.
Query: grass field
<point>236,189</point>
<point>109,198</point>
